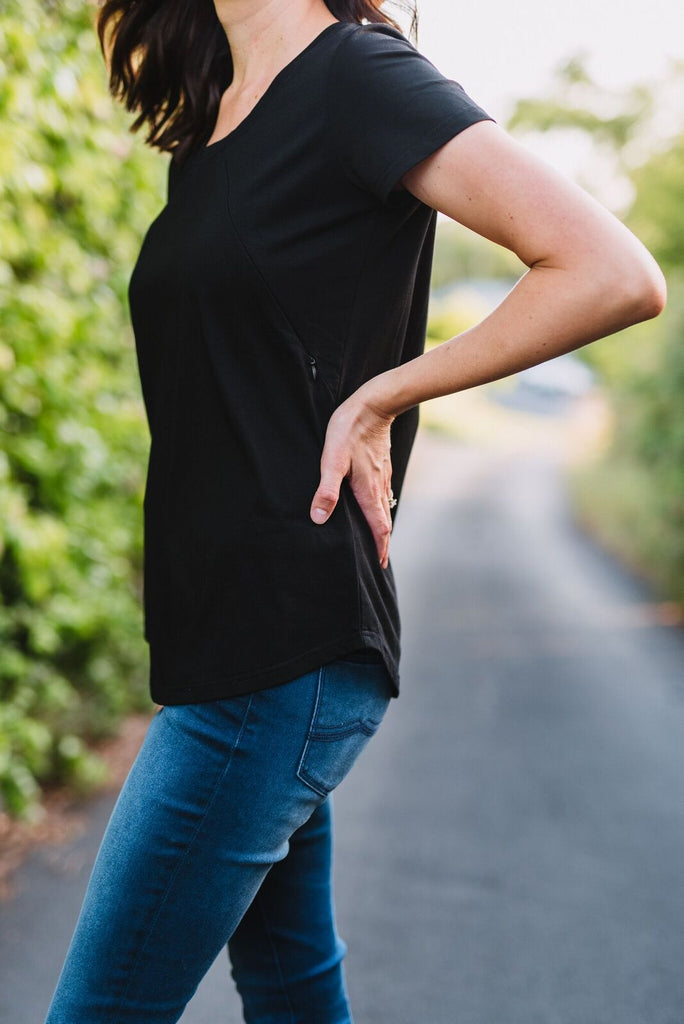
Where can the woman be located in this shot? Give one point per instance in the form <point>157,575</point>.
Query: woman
<point>279,307</point>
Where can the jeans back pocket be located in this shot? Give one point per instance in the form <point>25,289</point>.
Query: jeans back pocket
<point>351,700</point>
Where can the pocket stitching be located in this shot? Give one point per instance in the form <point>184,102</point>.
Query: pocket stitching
<point>301,770</point>
<point>304,776</point>
<point>317,734</point>
<point>339,733</point>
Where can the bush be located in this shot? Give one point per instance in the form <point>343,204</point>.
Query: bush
<point>75,196</point>
<point>633,498</point>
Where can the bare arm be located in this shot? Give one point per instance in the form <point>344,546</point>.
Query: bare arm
<point>588,276</point>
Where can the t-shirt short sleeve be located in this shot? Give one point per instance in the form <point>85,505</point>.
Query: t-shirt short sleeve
<point>389,107</point>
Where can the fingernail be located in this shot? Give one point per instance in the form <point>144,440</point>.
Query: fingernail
<point>319,515</point>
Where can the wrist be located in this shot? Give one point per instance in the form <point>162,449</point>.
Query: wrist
<point>378,397</point>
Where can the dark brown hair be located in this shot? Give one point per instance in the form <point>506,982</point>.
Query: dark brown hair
<point>169,62</point>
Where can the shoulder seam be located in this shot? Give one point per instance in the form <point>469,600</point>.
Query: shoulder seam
<point>357,28</point>
<point>358,31</point>
<point>326,104</point>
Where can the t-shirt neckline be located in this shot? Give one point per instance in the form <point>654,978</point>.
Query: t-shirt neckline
<point>204,148</point>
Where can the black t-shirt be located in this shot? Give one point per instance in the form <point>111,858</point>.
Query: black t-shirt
<point>283,272</point>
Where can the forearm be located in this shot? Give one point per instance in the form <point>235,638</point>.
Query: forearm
<point>548,312</point>
<point>589,277</point>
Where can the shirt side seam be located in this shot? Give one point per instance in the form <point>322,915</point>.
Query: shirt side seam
<point>267,286</point>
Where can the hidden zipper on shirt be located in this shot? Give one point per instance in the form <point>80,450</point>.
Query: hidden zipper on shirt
<point>320,380</point>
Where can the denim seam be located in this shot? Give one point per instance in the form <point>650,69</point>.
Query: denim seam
<point>186,851</point>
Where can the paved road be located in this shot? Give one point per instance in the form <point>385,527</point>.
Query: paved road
<point>510,846</point>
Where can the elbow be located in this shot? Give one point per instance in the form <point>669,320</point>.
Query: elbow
<point>651,295</point>
<point>658,296</point>
<point>642,291</point>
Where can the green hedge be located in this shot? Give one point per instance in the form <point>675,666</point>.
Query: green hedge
<point>632,498</point>
<point>76,194</point>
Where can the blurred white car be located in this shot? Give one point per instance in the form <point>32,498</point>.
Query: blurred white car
<point>563,376</point>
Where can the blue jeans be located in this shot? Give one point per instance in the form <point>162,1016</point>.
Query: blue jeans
<point>221,836</point>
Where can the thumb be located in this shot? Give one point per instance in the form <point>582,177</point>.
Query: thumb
<point>326,497</point>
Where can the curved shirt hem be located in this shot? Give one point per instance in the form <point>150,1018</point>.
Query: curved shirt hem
<point>222,687</point>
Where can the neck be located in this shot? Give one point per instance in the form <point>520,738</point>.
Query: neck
<point>265,34</point>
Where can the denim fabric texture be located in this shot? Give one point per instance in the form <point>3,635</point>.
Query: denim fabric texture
<point>220,839</point>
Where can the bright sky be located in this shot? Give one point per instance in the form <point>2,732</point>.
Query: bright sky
<point>499,50</point>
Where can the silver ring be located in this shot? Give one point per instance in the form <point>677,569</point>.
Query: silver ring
<point>392,500</point>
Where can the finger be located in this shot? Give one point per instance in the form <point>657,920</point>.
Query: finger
<point>375,507</point>
<point>385,539</point>
<point>326,497</point>
<point>389,498</point>
<point>381,527</point>
<point>385,554</point>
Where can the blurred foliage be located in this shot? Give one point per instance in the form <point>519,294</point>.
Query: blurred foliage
<point>75,197</point>
<point>657,214</point>
<point>448,323</point>
<point>577,102</point>
<point>461,253</point>
<point>634,497</point>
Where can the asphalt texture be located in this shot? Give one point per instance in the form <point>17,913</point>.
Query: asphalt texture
<point>510,846</point>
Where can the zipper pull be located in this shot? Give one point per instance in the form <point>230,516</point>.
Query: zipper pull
<point>312,363</point>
